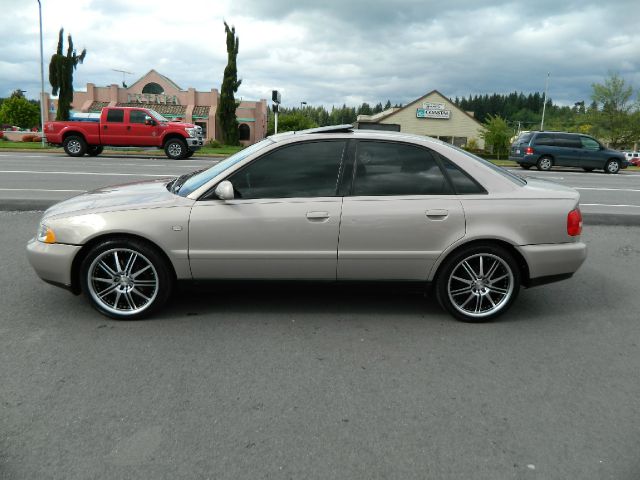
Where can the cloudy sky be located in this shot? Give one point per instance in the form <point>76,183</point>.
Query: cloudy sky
<point>330,52</point>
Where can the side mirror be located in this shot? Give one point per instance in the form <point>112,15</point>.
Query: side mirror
<point>148,120</point>
<point>224,190</point>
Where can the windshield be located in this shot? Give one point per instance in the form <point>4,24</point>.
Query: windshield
<point>517,179</point>
<point>200,179</point>
<point>157,116</point>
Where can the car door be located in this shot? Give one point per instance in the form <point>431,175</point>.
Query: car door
<point>141,133</point>
<point>401,215</point>
<point>570,150</point>
<point>113,131</point>
<point>591,153</point>
<point>283,222</point>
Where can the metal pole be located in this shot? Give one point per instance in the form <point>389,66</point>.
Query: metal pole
<point>544,104</point>
<point>276,121</point>
<point>42,105</point>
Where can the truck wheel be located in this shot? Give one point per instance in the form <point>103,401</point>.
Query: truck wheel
<point>95,151</point>
<point>74,146</point>
<point>175,149</point>
<point>189,154</point>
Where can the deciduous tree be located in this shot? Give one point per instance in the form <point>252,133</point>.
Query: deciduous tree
<point>496,134</point>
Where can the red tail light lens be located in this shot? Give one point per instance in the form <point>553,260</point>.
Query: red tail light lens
<point>528,151</point>
<point>574,222</point>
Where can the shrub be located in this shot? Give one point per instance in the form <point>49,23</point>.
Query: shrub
<point>214,144</point>
<point>36,138</point>
<point>27,138</point>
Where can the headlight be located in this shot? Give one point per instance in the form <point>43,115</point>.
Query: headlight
<point>45,234</point>
<point>191,131</point>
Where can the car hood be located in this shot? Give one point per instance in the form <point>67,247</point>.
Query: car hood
<point>129,196</point>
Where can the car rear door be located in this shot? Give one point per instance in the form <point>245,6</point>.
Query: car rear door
<point>400,216</point>
<point>113,130</point>
<point>283,223</point>
<point>569,150</point>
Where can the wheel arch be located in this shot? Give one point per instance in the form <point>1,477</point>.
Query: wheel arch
<point>74,133</point>
<point>172,136</point>
<point>86,248</point>
<point>518,257</point>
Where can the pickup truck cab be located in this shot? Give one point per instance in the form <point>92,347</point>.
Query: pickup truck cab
<point>125,127</point>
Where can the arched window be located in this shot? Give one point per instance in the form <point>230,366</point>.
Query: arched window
<point>244,131</point>
<point>153,87</point>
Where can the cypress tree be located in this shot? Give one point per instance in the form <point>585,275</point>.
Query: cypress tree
<point>230,84</point>
<point>61,70</point>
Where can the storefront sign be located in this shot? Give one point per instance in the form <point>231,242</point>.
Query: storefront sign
<point>152,98</point>
<point>433,113</point>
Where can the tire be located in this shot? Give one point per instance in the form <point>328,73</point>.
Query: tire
<point>544,163</point>
<point>95,151</point>
<point>189,154</point>
<point>125,279</point>
<point>74,146</point>
<point>612,166</point>
<point>175,149</point>
<point>588,169</point>
<point>524,166</point>
<point>478,283</point>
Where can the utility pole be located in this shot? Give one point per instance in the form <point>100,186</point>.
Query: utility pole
<point>42,105</point>
<point>276,98</point>
<point>544,104</point>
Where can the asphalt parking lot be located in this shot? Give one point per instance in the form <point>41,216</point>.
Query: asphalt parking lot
<point>323,382</point>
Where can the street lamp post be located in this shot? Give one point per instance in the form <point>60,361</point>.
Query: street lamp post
<point>301,104</point>
<point>544,103</point>
<point>42,105</point>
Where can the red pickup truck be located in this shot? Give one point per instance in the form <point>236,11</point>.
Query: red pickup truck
<point>125,127</point>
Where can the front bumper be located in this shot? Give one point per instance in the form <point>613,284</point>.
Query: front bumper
<point>194,143</point>
<point>52,261</point>
<point>553,260</point>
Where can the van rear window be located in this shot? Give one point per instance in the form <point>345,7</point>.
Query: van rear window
<point>523,138</point>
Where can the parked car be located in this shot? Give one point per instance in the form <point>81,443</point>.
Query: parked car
<point>633,158</point>
<point>124,127</point>
<point>547,149</point>
<point>328,204</point>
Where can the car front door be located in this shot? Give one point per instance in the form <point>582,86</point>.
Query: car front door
<point>142,133</point>
<point>591,153</point>
<point>283,222</point>
<point>401,215</point>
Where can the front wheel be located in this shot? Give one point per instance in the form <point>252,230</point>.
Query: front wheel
<point>74,146</point>
<point>478,283</point>
<point>612,166</point>
<point>175,149</point>
<point>544,164</point>
<point>189,153</point>
<point>95,151</point>
<point>125,279</point>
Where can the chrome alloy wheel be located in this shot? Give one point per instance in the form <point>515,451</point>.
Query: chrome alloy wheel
<point>74,146</point>
<point>545,163</point>
<point>480,285</point>
<point>175,149</point>
<point>122,281</point>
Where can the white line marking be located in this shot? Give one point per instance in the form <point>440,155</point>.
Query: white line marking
<point>606,205</point>
<point>608,189</point>
<point>36,190</point>
<point>40,172</point>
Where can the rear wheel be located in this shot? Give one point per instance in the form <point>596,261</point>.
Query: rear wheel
<point>74,146</point>
<point>175,149</point>
<point>125,279</point>
<point>612,166</point>
<point>544,163</point>
<point>95,151</point>
<point>478,283</point>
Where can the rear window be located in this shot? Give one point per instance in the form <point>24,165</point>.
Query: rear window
<point>523,138</point>
<point>115,115</point>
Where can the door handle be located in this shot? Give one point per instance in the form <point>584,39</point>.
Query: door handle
<point>437,214</point>
<point>105,127</point>
<point>317,215</point>
<point>128,127</point>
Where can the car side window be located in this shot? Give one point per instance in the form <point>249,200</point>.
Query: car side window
<point>568,141</point>
<point>307,169</point>
<point>589,144</point>
<point>137,116</point>
<point>462,181</point>
<point>545,139</point>
<point>115,115</point>
<point>385,168</point>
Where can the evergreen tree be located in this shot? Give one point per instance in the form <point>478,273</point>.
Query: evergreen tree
<point>230,84</point>
<point>61,69</point>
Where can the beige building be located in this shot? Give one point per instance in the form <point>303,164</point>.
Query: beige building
<point>160,93</point>
<point>432,115</point>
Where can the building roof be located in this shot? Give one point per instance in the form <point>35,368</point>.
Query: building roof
<point>201,111</point>
<point>166,79</point>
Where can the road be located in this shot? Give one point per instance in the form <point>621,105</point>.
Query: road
<point>322,383</point>
<point>36,180</point>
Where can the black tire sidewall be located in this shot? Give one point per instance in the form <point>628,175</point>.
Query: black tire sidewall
<point>165,277</point>
<point>539,163</point>
<point>606,167</point>
<point>183,147</point>
<point>95,150</point>
<point>83,146</point>
<point>453,259</point>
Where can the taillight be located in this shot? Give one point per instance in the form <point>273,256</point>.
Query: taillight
<point>574,222</point>
<point>528,151</point>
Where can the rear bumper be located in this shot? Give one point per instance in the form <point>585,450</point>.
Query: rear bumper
<point>524,159</point>
<point>52,261</point>
<point>554,260</point>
